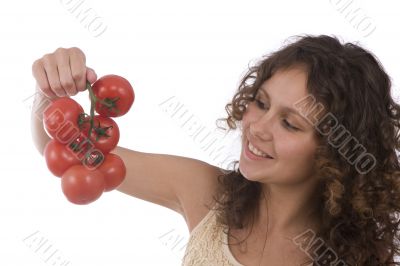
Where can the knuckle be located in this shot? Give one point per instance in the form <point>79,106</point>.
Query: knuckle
<point>66,84</point>
<point>36,65</point>
<point>59,93</point>
<point>77,51</point>
<point>61,56</point>
<point>47,59</point>
<point>82,88</point>
<point>57,88</point>
<point>77,75</point>
<point>60,50</point>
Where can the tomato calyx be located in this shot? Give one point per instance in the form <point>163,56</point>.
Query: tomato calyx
<point>101,131</point>
<point>98,130</point>
<point>110,104</point>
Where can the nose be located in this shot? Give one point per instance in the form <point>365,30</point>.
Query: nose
<point>261,127</point>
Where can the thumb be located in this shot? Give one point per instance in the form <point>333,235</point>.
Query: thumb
<point>91,75</point>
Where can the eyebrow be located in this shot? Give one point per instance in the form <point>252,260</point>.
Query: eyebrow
<point>285,108</point>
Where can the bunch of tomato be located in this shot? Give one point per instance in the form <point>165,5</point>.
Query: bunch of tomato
<point>80,151</point>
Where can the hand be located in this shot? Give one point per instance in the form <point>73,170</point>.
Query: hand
<point>62,73</point>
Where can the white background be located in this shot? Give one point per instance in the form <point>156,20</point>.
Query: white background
<point>195,52</point>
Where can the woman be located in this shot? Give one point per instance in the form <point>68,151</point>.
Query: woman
<point>317,182</point>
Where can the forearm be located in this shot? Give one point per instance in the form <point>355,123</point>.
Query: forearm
<point>39,135</point>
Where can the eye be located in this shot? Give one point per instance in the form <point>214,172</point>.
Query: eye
<point>261,105</point>
<point>287,124</point>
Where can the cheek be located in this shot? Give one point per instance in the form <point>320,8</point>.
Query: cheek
<point>296,154</point>
<point>296,163</point>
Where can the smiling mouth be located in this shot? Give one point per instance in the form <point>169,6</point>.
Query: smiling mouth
<point>254,151</point>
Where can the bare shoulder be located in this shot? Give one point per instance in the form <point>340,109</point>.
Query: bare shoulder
<point>195,193</point>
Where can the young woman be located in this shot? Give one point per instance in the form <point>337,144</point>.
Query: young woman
<point>317,182</point>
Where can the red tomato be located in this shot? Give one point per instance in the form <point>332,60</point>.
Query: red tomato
<point>81,185</point>
<point>59,157</point>
<point>86,151</point>
<point>116,92</point>
<point>105,133</point>
<point>61,118</point>
<point>114,171</point>
<point>81,145</point>
<point>93,159</point>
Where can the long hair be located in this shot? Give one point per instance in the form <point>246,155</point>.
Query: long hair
<point>357,208</point>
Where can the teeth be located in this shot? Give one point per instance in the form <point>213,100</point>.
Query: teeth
<point>257,152</point>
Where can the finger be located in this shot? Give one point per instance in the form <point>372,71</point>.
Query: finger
<point>64,71</point>
<point>78,70</point>
<point>41,79</point>
<point>91,75</point>
<point>51,70</point>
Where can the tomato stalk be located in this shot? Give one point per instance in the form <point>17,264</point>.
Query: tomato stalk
<point>106,103</point>
<point>93,100</point>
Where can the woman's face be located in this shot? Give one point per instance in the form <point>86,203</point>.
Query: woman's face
<point>268,126</point>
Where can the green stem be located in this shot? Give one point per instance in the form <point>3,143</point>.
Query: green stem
<point>93,100</point>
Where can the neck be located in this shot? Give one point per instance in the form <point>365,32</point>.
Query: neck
<point>288,210</point>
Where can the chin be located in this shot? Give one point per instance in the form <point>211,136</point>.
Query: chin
<point>249,175</point>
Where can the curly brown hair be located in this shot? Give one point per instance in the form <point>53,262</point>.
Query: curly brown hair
<point>357,209</point>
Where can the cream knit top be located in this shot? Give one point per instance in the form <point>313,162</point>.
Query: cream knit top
<point>207,244</point>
